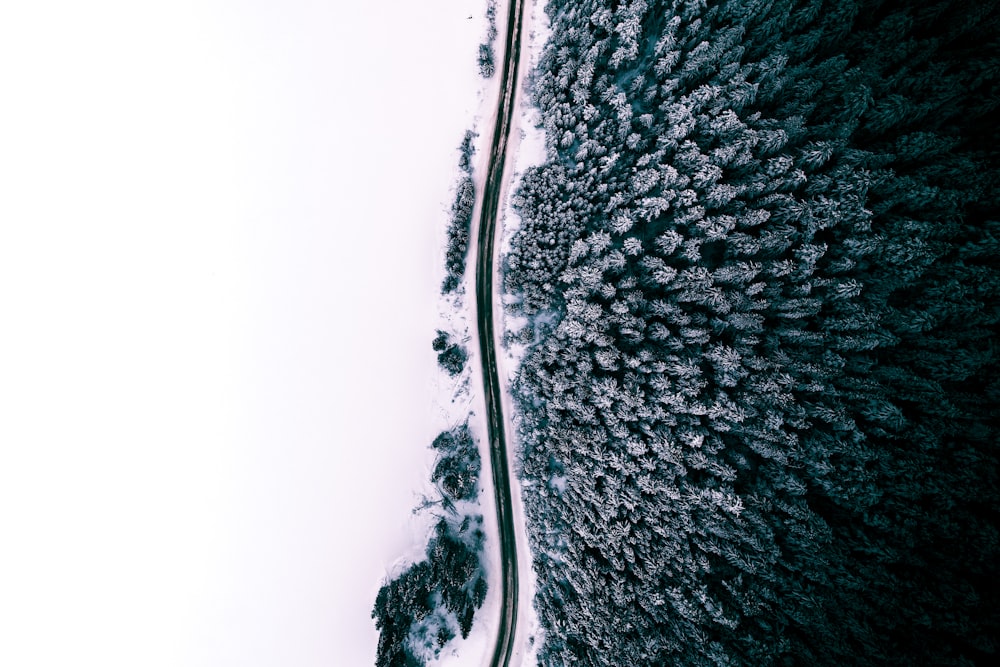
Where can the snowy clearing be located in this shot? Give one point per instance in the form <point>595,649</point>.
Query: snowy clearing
<point>219,273</point>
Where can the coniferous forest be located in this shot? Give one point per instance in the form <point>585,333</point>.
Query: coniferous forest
<point>759,423</point>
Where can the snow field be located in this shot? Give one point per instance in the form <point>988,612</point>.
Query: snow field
<point>218,279</point>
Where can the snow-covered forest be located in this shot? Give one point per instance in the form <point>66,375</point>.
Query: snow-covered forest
<point>761,423</point>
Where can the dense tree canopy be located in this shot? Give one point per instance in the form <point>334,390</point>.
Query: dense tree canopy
<point>760,262</point>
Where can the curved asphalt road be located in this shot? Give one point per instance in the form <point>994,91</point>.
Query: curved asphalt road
<point>484,307</point>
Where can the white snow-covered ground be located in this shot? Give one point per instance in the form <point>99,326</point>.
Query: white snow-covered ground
<point>220,229</point>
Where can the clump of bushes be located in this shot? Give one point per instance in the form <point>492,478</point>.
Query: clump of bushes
<point>457,470</point>
<point>487,58</point>
<point>458,234</point>
<point>451,356</point>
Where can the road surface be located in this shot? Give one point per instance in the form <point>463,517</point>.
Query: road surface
<point>484,317</point>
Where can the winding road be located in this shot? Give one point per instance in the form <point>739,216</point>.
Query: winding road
<point>487,337</point>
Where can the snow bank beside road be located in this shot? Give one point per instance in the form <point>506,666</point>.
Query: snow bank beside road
<point>527,149</point>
